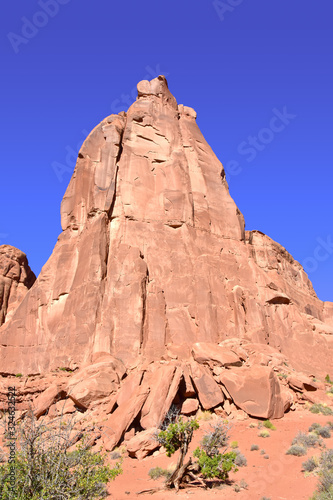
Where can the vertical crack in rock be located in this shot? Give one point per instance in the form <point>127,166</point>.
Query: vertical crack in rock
<point>144,285</point>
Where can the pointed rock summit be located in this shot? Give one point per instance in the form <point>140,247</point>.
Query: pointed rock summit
<point>154,289</point>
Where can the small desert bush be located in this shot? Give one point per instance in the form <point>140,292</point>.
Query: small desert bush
<point>262,452</point>
<point>264,433</point>
<point>234,445</point>
<point>324,432</point>
<point>330,425</point>
<point>240,459</point>
<point>241,486</point>
<point>313,427</point>
<point>310,465</point>
<point>268,424</point>
<point>254,447</point>
<point>306,440</point>
<point>205,416</point>
<point>320,408</point>
<point>266,456</point>
<point>158,472</point>
<point>297,450</point>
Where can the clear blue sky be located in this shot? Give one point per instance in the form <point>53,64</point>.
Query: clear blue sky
<point>238,63</point>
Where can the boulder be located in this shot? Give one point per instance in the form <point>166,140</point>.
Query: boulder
<point>255,390</point>
<point>95,382</point>
<point>214,355</point>
<point>189,407</point>
<point>143,443</point>
<point>121,419</point>
<point>208,391</point>
<point>45,400</point>
<point>164,383</point>
<point>301,383</point>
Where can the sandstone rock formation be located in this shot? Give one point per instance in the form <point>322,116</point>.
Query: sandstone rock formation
<point>16,278</point>
<point>157,293</point>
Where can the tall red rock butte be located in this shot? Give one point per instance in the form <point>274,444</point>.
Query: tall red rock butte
<point>155,279</point>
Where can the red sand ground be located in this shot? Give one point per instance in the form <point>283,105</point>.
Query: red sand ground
<point>279,478</point>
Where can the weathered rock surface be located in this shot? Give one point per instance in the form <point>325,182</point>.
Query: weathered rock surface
<point>155,295</point>
<point>16,278</point>
<point>142,444</point>
<point>255,390</point>
<point>155,255</point>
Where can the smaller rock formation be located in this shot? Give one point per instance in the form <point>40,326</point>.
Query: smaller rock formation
<point>16,278</point>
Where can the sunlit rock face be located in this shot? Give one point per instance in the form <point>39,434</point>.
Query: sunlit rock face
<point>16,278</point>
<point>154,258</point>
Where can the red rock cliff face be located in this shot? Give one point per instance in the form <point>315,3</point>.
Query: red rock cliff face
<point>154,256</point>
<point>16,278</point>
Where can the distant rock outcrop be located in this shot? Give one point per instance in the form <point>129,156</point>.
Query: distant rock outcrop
<point>157,293</point>
<point>16,278</point>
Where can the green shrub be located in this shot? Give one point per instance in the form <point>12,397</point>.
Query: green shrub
<point>254,447</point>
<point>264,433</point>
<point>320,408</point>
<point>217,465</point>
<point>268,424</point>
<point>296,450</point>
<point>46,470</point>
<point>211,462</point>
<point>234,445</point>
<point>328,380</point>
<point>19,375</point>
<point>158,472</point>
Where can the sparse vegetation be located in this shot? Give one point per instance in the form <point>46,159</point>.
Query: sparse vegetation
<point>266,456</point>
<point>324,470</point>
<point>254,447</point>
<point>158,472</point>
<point>234,445</point>
<point>19,375</point>
<point>297,450</point>
<point>328,379</point>
<point>241,486</point>
<point>211,461</point>
<point>264,433</point>
<point>321,408</point>
<point>310,465</point>
<point>240,459</point>
<point>314,426</point>
<point>205,416</point>
<point>47,470</point>
<point>268,424</point>
<point>324,432</point>
<point>306,440</point>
